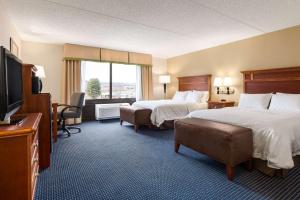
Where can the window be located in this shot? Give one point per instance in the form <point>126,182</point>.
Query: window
<point>110,80</point>
<point>124,81</point>
<point>95,81</point>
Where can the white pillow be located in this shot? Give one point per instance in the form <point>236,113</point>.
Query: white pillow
<point>255,101</point>
<point>194,97</point>
<point>205,97</point>
<point>285,102</point>
<point>180,96</point>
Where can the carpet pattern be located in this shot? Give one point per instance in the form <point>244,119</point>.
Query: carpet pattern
<point>109,161</point>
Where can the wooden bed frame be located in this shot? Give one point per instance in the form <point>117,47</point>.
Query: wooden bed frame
<point>187,83</point>
<point>284,80</point>
<point>200,83</point>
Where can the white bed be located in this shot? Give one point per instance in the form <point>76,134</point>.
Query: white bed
<point>165,110</point>
<point>184,101</point>
<point>276,133</point>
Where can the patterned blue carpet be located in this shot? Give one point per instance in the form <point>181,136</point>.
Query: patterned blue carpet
<point>109,161</point>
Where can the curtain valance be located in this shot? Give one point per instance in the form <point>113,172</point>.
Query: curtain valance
<point>114,56</point>
<point>79,52</point>
<point>140,58</point>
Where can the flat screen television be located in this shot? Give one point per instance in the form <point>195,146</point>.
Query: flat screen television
<point>11,84</point>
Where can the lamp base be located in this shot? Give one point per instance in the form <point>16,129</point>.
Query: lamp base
<point>165,90</point>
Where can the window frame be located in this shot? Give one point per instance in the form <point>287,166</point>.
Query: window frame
<point>110,99</point>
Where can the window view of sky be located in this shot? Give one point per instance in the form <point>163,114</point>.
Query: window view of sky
<point>96,70</point>
<point>122,73</point>
<point>124,78</point>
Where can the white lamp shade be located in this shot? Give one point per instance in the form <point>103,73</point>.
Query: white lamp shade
<point>218,82</point>
<point>164,79</point>
<point>40,71</point>
<point>227,81</point>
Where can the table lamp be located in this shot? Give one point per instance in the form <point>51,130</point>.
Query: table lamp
<point>165,79</point>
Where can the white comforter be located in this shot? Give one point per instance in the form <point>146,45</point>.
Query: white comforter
<point>163,110</point>
<point>276,134</point>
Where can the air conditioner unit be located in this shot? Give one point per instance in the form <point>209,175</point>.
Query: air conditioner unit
<point>108,111</point>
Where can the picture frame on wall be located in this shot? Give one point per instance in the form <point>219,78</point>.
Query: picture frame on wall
<point>14,48</point>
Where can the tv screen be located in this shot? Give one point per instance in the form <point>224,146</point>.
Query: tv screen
<point>11,88</point>
<point>14,81</point>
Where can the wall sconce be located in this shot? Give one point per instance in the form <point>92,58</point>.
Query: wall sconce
<point>218,82</point>
<point>221,84</point>
<point>227,84</point>
<point>165,79</point>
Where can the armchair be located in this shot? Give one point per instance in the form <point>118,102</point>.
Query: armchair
<point>71,111</point>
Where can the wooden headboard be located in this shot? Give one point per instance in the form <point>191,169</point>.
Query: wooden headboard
<point>200,83</point>
<point>285,80</point>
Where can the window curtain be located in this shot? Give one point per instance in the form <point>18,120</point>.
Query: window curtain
<point>146,82</point>
<point>82,78</point>
<point>71,82</point>
<point>138,93</point>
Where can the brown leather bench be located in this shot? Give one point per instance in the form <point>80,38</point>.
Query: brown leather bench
<point>228,144</point>
<point>135,115</point>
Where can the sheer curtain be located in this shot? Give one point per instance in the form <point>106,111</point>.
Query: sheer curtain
<point>83,72</point>
<point>138,93</point>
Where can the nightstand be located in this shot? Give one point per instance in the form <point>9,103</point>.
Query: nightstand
<point>220,104</point>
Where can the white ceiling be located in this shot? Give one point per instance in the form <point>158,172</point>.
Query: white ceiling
<point>164,28</point>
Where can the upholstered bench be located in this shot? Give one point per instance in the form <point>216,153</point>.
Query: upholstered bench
<point>228,144</point>
<point>135,115</point>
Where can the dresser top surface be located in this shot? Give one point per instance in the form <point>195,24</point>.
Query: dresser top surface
<point>28,125</point>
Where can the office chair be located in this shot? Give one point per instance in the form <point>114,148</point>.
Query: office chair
<point>71,111</point>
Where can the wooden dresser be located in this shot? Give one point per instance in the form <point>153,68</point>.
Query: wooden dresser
<point>19,158</point>
<point>38,103</point>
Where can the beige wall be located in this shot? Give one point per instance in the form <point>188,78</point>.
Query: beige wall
<point>49,56</point>
<point>159,67</point>
<point>7,30</point>
<point>276,49</point>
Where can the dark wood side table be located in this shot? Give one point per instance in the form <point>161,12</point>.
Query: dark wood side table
<point>220,104</point>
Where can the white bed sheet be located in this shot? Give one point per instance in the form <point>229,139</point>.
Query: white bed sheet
<point>163,110</point>
<point>276,135</point>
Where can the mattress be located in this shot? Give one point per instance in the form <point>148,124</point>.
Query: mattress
<point>165,110</point>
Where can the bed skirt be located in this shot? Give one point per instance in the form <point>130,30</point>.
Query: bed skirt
<point>261,165</point>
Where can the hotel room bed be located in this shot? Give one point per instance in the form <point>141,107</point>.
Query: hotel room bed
<point>276,135</point>
<point>170,110</point>
<point>276,128</point>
